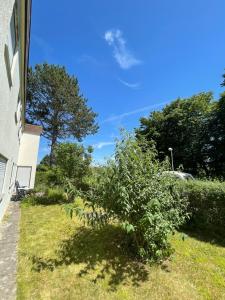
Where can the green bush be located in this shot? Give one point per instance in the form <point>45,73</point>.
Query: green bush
<point>49,178</point>
<point>206,204</point>
<point>55,196</point>
<point>40,180</point>
<point>133,190</point>
<point>50,196</point>
<point>73,160</point>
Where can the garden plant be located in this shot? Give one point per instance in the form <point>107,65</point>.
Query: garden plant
<point>133,191</point>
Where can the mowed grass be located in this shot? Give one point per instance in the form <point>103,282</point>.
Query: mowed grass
<point>61,258</point>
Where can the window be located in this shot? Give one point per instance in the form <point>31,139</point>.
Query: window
<point>12,46</point>
<point>3,163</point>
<point>13,34</point>
<point>18,110</point>
<point>20,132</point>
<point>13,176</point>
<point>23,176</point>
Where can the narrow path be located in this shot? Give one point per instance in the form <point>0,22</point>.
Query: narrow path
<point>9,235</point>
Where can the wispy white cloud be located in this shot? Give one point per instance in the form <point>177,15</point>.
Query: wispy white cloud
<point>100,145</point>
<point>46,49</point>
<point>134,112</point>
<point>121,53</point>
<point>85,58</point>
<point>134,85</point>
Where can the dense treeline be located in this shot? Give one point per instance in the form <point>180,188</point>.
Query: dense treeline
<point>195,129</point>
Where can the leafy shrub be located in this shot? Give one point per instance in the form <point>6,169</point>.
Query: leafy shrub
<point>54,177</point>
<point>73,160</point>
<point>49,178</point>
<point>132,190</point>
<point>207,204</point>
<point>42,168</point>
<point>40,180</point>
<point>50,196</point>
<point>55,196</point>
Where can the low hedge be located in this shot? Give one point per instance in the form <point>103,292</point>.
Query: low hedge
<point>206,204</point>
<point>49,197</point>
<point>46,179</point>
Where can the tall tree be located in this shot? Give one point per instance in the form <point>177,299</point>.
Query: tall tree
<point>217,136</point>
<point>54,101</point>
<point>182,125</point>
<point>216,131</point>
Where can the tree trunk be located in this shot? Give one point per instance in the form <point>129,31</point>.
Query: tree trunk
<point>205,169</point>
<point>51,156</point>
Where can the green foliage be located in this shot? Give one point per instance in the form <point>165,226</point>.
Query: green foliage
<point>73,160</point>
<point>42,168</point>
<point>95,218</point>
<point>206,204</point>
<point>132,190</point>
<point>216,139</point>
<point>40,180</point>
<point>45,162</point>
<point>55,196</point>
<point>55,103</point>
<point>48,178</point>
<point>49,197</point>
<point>71,167</point>
<point>184,125</point>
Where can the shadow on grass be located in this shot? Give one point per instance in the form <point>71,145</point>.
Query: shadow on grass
<point>211,235</point>
<point>104,252</point>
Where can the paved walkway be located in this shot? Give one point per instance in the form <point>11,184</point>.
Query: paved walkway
<point>9,234</point>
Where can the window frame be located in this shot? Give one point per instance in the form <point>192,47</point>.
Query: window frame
<point>15,33</point>
<point>30,174</point>
<point>2,188</point>
<point>18,110</point>
<point>10,51</point>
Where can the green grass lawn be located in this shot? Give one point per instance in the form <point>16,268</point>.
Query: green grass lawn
<point>60,258</point>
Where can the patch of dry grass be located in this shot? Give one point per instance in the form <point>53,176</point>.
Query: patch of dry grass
<point>62,259</point>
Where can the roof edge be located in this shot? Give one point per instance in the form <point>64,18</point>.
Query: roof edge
<point>28,6</point>
<point>33,129</point>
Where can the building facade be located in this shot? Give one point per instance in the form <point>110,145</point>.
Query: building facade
<point>15,135</point>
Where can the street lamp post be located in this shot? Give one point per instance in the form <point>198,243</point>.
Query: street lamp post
<point>171,153</point>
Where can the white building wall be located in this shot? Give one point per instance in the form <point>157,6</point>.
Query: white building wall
<point>10,130</point>
<point>28,153</point>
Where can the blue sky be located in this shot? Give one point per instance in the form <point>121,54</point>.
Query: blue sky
<point>131,57</point>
